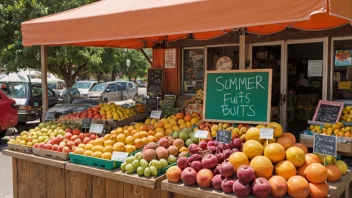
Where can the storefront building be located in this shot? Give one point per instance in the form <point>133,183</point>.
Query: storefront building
<point>307,66</point>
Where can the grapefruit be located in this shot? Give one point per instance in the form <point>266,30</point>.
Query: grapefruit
<point>334,173</point>
<point>316,173</point>
<point>302,146</point>
<point>262,166</point>
<point>252,148</point>
<point>290,135</point>
<point>237,159</point>
<point>319,190</point>
<point>286,142</point>
<point>277,128</point>
<point>278,186</point>
<point>296,156</point>
<point>285,169</point>
<point>298,187</point>
<point>253,133</point>
<point>275,152</point>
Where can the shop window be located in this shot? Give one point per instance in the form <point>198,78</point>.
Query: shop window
<point>342,75</point>
<point>193,70</point>
<point>215,53</point>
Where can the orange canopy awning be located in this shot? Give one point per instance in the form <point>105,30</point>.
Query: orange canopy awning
<point>143,23</point>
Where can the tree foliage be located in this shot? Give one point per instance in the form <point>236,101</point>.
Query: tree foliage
<point>66,62</point>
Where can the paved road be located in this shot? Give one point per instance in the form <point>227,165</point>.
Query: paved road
<point>6,165</point>
<point>5,172</point>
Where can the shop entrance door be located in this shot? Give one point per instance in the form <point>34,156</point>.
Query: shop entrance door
<point>271,56</point>
<point>306,66</point>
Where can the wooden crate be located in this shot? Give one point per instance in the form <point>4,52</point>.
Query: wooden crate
<point>51,154</point>
<point>309,139</point>
<point>19,148</point>
<point>35,176</point>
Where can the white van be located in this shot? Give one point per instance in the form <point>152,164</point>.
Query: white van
<point>84,87</point>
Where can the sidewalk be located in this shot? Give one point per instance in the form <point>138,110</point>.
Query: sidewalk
<point>5,172</point>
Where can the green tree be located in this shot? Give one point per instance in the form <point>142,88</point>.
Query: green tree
<point>66,62</point>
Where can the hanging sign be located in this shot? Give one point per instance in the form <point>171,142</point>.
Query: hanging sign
<point>315,68</point>
<point>155,80</point>
<point>224,63</point>
<point>324,144</point>
<point>328,112</point>
<point>170,58</point>
<point>238,96</point>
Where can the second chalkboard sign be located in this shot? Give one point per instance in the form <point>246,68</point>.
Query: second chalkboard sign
<point>324,144</point>
<point>155,80</point>
<point>328,112</point>
<point>224,136</point>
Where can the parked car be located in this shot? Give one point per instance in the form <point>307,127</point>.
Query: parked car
<point>68,95</point>
<point>141,83</point>
<point>130,87</point>
<point>8,115</point>
<point>84,87</point>
<point>106,92</point>
<point>76,106</point>
<point>27,94</point>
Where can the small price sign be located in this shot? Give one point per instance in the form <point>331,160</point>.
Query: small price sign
<point>119,156</point>
<point>201,134</point>
<point>266,133</point>
<point>86,122</point>
<point>155,114</point>
<point>96,128</point>
<point>224,136</point>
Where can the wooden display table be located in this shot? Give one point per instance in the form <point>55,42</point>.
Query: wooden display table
<point>35,177</point>
<point>179,190</point>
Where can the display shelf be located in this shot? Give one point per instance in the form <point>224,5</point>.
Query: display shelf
<point>308,140</point>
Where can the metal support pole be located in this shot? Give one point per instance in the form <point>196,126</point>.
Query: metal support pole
<point>44,70</point>
<point>242,52</point>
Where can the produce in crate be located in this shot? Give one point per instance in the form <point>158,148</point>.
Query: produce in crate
<point>172,123</point>
<point>346,115</point>
<point>276,169</point>
<point>195,104</point>
<point>103,111</point>
<point>141,108</point>
<point>43,132</point>
<point>337,129</point>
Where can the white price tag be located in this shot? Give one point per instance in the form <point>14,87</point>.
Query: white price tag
<point>266,133</point>
<point>96,128</point>
<point>155,114</point>
<point>201,134</point>
<point>119,156</point>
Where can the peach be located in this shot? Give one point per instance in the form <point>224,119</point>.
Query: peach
<point>204,178</point>
<point>173,174</point>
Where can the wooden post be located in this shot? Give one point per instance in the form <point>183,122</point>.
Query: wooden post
<point>44,70</point>
<point>242,52</point>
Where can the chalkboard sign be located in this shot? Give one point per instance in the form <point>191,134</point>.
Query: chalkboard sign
<point>324,144</point>
<point>155,80</point>
<point>169,101</point>
<point>86,122</point>
<point>49,116</point>
<point>328,112</point>
<point>224,136</point>
<point>239,96</point>
<point>152,104</point>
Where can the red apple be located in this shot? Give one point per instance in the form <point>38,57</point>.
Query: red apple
<point>261,187</point>
<point>182,162</point>
<point>68,130</point>
<point>41,145</point>
<point>55,147</point>
<point>196,165</point>
<point>193,148</point>
<point>74,148</point>
<point>204,178</point>
<point>93,136</point>
<point>194,157</point>
<point>76,131</point>
<point>211,143</point>
<point>209,161</point>
<point>66,150</point>
<point>77,142</point>
<point>37,145</point>
<point>226,185</point>
<point>62,144</point>
<point>203,145</point>
<point>220,157</point>
<point>70,144</point>
<point>68,135</point>
<point>50,142</point>
<point>188,176</point>
<point>245,173</point>
<point>237,143</point>
<point>60,148</point>
<point>86,140</point>
<point>65,140</point>
<point>82,136</point>
<point>241,189</point>
<point>74,137</point>
<point>216,181</point>
<point>216,170</point>
<point>47,146</point>
<point>227,153</point>
<point>56,140</point>
<point>227,169</point>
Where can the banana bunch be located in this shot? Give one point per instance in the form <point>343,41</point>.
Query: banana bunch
<point>116,112</point>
